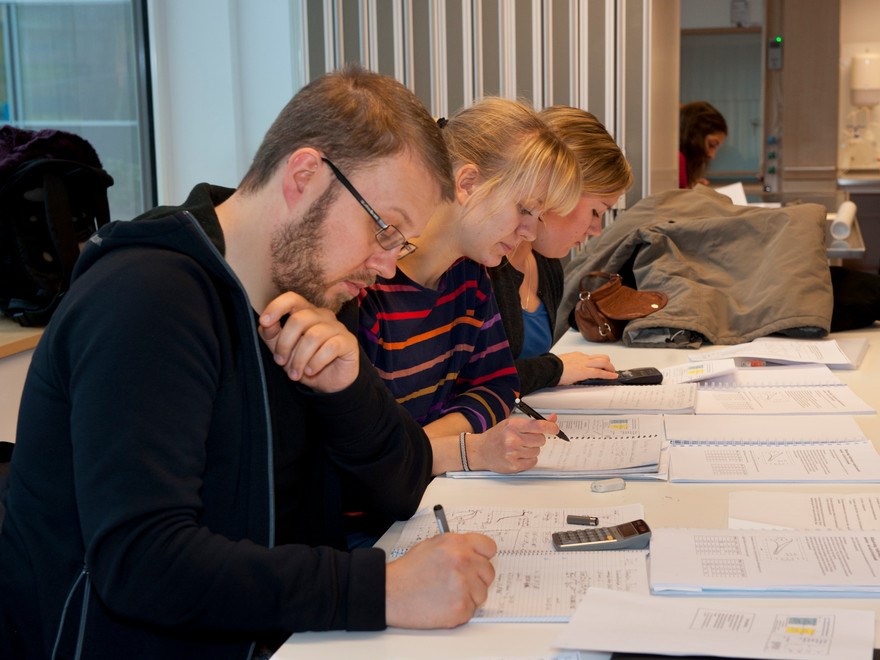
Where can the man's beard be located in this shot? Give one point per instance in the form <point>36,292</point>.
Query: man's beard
<point>296,257</point>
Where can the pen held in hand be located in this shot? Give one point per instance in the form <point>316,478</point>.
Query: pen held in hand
<point>440,515</point>
<point>534,414</point>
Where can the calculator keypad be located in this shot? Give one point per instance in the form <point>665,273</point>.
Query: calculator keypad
<point>586,535</point>
<point>633,535</point>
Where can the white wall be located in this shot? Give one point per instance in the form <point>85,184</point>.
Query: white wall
<point>222,70</point>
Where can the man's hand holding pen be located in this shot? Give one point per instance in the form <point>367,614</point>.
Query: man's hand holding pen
<point>440,582</point>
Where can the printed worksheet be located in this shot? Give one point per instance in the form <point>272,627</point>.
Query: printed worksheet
<point>845,354</point>
<point>725,562</point>
<point>802,400</point>
<point>605,621</point>
<point>779,349</point>
<point>526,558</point>
<point>777,510</point>
<point>854,462</point>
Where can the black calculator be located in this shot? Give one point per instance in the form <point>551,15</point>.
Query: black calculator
<point>637,376</point>
<point>634,535</point>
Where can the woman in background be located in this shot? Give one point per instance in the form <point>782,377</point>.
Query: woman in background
<point>528,284</point>
<point>702,131</point>
<point>433,330</point>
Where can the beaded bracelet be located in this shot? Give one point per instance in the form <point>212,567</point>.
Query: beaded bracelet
<point>462,447</point>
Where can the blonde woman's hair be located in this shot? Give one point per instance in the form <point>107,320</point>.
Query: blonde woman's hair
<point>604,168</point>
<point>519,157</point>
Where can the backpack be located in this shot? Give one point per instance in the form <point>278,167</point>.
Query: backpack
<point>53,196</point>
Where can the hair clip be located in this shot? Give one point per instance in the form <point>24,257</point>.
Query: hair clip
<point>442,121</point>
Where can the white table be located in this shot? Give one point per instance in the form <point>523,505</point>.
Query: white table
<point>666,505</point>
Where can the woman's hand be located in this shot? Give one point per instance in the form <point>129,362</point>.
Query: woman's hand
<point>512,445</point>
<point>578,366</point>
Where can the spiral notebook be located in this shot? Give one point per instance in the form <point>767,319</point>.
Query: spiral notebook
<point>685,430</point>
<point>526,559</point>
<point>601,446</point>
<point>792,449</point>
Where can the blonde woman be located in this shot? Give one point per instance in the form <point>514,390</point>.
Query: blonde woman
<point>528,284</point>
<point>433,330</point>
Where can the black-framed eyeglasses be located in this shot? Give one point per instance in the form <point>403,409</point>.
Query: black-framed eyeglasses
<point>388,236</point>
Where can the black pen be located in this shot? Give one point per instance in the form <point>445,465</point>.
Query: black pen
<point>439,514</point>
<point>534,414</point>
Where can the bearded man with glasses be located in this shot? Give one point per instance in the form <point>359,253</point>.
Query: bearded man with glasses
<point>195,410</point>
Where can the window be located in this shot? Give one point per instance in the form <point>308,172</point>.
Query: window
<point>80,66</point>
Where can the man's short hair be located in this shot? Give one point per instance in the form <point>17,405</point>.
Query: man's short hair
<point>353,116</point>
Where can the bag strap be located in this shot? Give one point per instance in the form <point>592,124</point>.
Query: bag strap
<point>602,325</point>
<point>603,274</point>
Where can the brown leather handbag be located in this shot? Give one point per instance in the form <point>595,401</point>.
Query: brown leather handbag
<point>602,314</point>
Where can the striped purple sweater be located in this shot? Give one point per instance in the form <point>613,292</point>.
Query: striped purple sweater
<point>441,351</point>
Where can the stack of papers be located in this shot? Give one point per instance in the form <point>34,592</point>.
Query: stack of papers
<point>759,562</point>
<point>793,448</point>
<point>727,373</point>
<point>843,354</point>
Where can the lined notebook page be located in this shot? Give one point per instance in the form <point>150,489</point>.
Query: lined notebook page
<point>526,558</point>
<point>600,446</point>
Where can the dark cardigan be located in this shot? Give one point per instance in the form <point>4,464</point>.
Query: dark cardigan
<point>542,370</point>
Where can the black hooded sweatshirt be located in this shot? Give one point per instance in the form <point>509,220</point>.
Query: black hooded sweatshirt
<point>172,494</point>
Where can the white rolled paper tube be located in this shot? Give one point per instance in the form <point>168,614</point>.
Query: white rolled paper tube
<point>841,226</point>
